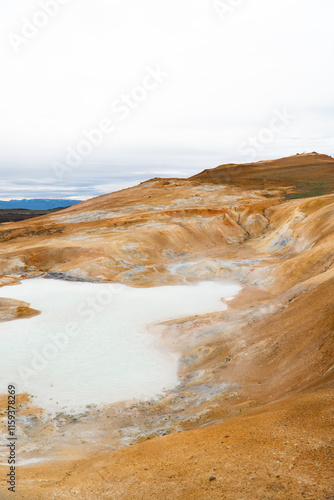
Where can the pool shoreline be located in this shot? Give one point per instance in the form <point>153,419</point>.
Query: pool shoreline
<point>94,309</point>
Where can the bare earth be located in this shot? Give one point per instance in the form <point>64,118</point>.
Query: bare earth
<point>252,417</point>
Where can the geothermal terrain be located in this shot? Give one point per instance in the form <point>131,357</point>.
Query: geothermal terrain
<point>252,414</point>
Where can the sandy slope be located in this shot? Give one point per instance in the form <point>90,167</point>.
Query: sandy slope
<point>261,372</point>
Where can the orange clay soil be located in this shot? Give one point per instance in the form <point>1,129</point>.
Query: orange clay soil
<point>283,451</point>
<point>15,309</point>
<point>252,417</point>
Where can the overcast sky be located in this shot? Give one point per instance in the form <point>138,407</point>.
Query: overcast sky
<point>176,86</point>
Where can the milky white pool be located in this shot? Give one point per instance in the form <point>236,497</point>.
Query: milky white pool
<point>90,345</point>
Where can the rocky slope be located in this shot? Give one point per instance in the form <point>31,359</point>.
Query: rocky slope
<point>253,409</point>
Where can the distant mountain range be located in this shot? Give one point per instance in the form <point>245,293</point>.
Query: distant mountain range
<point>38,204</point>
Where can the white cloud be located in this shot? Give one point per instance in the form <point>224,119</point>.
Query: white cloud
<point>225,78</point>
